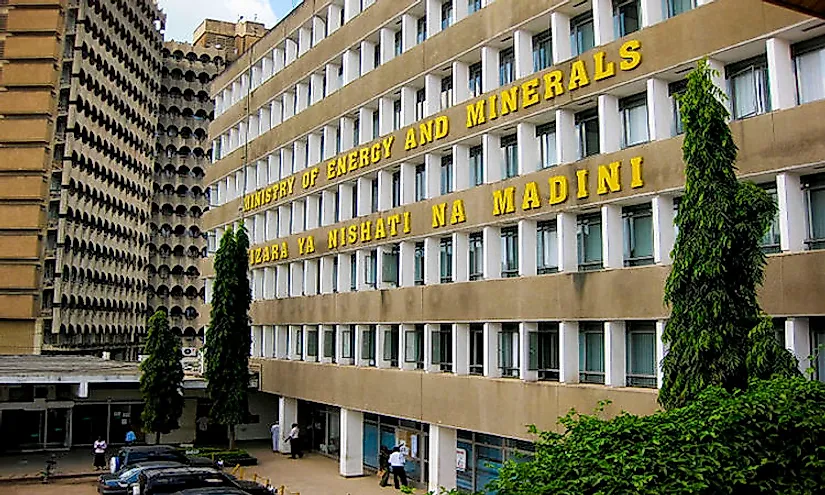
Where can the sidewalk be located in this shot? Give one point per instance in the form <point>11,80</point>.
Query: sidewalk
<point>76,462</point>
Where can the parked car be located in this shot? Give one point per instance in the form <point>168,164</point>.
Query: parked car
<point>118,484</point>
<point>211,491</point>
<point>128,456</point>
<point>172,480</point>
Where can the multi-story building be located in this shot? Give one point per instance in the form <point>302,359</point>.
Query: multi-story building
<point>232,38</point>
<point>182,153</point>
<point>462,212</point>
<point>79,108</point>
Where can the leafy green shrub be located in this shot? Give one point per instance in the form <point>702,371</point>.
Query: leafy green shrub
<point>768,439</point>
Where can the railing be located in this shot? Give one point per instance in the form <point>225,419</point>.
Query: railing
<point>240,473</point>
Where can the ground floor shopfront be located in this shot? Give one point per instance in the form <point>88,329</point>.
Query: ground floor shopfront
<point>437,456</point>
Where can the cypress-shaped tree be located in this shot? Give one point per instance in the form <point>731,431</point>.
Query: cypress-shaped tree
<point>716,329</point>
<point>161,378</point>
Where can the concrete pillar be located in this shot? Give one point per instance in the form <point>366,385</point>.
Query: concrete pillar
<point>526,374</point>
<point>351,457</point>
<point>281,350</point>
<point>567,242</point>
<point>331,74</point>
<point>461,348</point>
<point>328,207</point>
<point>298,217</point>
<point>311,277</point>
<point>316,88</point>
<point>256,346</point>
<point>333,18</point>
<point>433,17</point>
<point>489,68</point>
<point>381,331</point>
<point>352,66</point>
<point>602,21</point>
<point>326,267</point>
<point>406,264</point>
<point>442,457</point>
<point>278,59</point>
<point>492,252</point>
<point>364,195</point>
<point>432,89</point>
<point>491,331</point>
<point>282,290</point>
<point>407,183</point>
<point>346,128</point>
<point>408,105</point>
<point>560,26</point>
<point>386,37</point>
<point>288,104</point>
<point>268,341</point>
<point>527,247</point>
<point>361,270</point>
<point>523,51</point>
<point>566,143</point>
<point>610,124</point>
<point>367,56</point>
<point>365,133</point>
<point>296,273</point>
<point>493,157</point>
<point>385,113</point>
<point>384,190</point>
<point>296,334</point>
<point>719,78</point>
<point>661,350</point>
<point>319,30</point>
<point>269,283</point>
<point>432,165</point>
<point>461,257</point>
<point>345,192</point>
<point>304,40</point>
<point>781,70</point>
<point>429,367</point>
<point>409,32</point>
<point>569,352</point>
<point>302,100</point>
<point>652,12</point>
<point>659,109</point>
<point>528,148</point>
<point>351,9</point>
<point>322,337</point>
<point>461,167</point>
<point>612,236</point>
<point>461,81</point>
<point>432,262</point>
<point>663,229</point>
<point>798,340</point>
<point>615,360</point>
<point>290,51</point>
<point>791,199</point>
<point>287,416</point>
<point>305,343</point>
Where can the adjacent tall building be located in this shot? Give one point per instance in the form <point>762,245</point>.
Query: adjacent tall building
<point>463,211</point>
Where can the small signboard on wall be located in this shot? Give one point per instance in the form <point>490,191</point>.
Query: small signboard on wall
<point>461,460</point>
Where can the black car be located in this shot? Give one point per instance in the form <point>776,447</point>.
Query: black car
<point>129,456</point>
<point>211,491</point>
<point>118,484</point>
<point>173,480</point>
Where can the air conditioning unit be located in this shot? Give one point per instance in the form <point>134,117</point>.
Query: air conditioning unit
<point>190,352</point>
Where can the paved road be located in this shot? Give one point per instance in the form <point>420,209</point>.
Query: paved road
<point>70,487</point>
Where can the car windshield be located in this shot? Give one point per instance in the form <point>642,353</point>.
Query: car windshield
<point>133,472</point>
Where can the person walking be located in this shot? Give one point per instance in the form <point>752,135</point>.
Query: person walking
<point>130,437</point>
<point>275,431</point>
<point>294,441</point>
<point>384,466</point>
<point>397,463</point>
<point>99,449</point>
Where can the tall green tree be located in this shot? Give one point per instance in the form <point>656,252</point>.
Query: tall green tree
<point>716,328</point>
<point>161,378</point>
<point>228,336</point>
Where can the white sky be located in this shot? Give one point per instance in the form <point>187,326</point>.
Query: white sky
<point>183,16</point>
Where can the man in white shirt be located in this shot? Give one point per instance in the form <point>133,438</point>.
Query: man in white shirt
<point>397,463</point>
<point>294,441</point>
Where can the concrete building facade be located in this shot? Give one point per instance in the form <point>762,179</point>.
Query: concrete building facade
<point>463,212</point>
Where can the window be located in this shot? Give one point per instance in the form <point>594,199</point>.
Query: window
<point>399,45</point>
<point>376,126</point>
<point>544,351</point>
<point>633,110</point>
<point>587,132</point>
<point>508,350</point>
<point>347,342</point>
<point>476,256</point>
<point>506,66</point>
<point>815,201</point>
<point>391,336</point>
<point>476,166</point>
<point>420,182</point>
<point>546,135</point>
<point>396,115</point>
<point>353,271</point>
<point>547,251</point>
<point>414,346</point>
<point>329,343</point>
<point>675,90</point>
<point>771,240</point>
<point>354,201</point>
<point>376,55</point>
<point>446,92</point>
<point>591,352</point>
<point>641,354</point>
<point>374,195</point>
<point>509,144</point>
<point>446,14</point>
<point>371,268</point>
<point>421,30</point>
<point>446,174</point>
<point>420,99</point>
<point>473,6</point>
<point>356,132</point>
<point>442,347</point>
<point>446,260</point>
<point>809,66</point>
<point>396,188</point>
<point>299,343</point>
<point>476,349</point>
<point>368,345</point>
<point>582,36</point>
<point>390,266</point>
<point>748,86</point>
<point>334,274</point>
<point>509,252</point>
<point>626,17</point>
<point>589,240</point>
<point>676,7</point>
<point>638,235</point>
<point>312,344</point>
<point>475,80</point>
<point>419,263</point>
<point>542,50</point>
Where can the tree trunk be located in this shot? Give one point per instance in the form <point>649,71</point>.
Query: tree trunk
<point>231,437</point>
<point>157,438</point>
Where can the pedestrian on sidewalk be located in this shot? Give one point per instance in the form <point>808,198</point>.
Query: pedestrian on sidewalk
<point>397,463</point>
<point>384,466</point>
<point>99,449</point>
<point>294,441</point>
<point>275,431</point>
<point>130,437</point>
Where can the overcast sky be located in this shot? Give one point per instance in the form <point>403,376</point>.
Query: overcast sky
<point>183,16</point>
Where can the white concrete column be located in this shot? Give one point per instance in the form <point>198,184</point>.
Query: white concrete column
<point>610,124</point>
<point>326,267</point>
<point>365,132</point>
<point>351,456</point>
<point>351,9</point>
<point>331,74</point>
<point>432,89</point>
<point>408,103</point>
<point>461,167</point>
<point>313,149</point>
<point>432,263</point>
<point>523,51</point>
<point>489,68</point>
<point>384,190</point>
<point>407,183</point>
<point>268,341</point>
<point>567,242</point>
<point>798,340</point>
<point>409,31</point>
<point>316,89</point>
<point>492,252</point>
<point>491,331</point>
<point>432,165</point>
<point>304,331</point>
<point>361,270</point>
<point>442,456</point>
<point>311,277</point>
<point>652,12</point>
<point>528,148</point>
<point>661,350</point>
<point>719,78</point>
<point>347,131</point>
<point>276,113</point>
<point>256,346</point>
<point>281,332</point>
<point>612,236</point>
<point>493,157</point>
<point>429,367</point>
<point>304,40</point>
<point>298,211</point>
<point>527,247</point>
<point>319,30</point>
<point>296,273</point>
<point>663,229</point>
<point>352,66</point>
<point>781,70</point>
<point>282,289</point>
<point>569,352</point>
<point>385,116</point>
<point>406,264</point>
<point>433,17</point>
<point>615,360</point>
<point>461,80</point>
<point>461,257</point>
<point>333,18</point>
<point>287,416</point>
<point>560,26</point>
<point>792,214</point>
<point>602,21</point>
<point>322,337</point>
<point>364,195</point>
<point>460,11</point>
<point>302,100</point>
<point>525,328</point>
<point>461,348</point>
<point>278,59</point>
<point>566,143</point>
<point>386,37</point>
<point>290,51</point>
<point>328,205</point>
<point>367,56</point>
<point>269,282</point>
<point>345,192</point>
<point>659,109</point>
<point>288,104</point>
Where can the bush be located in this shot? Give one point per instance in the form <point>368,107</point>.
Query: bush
<point>768,439</point>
